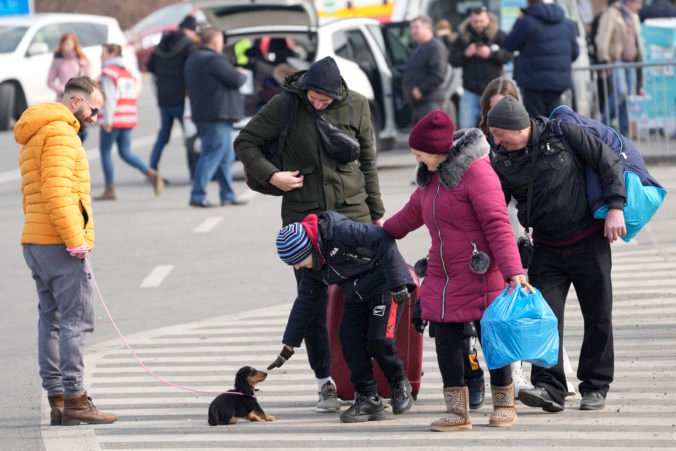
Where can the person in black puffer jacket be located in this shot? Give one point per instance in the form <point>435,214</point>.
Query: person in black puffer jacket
<point>166,63</point>
<point>547,47</point>
<point>570,246</point>
<point>364,261</point>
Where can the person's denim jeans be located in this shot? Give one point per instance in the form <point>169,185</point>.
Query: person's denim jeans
<point>121,136</point>
<point>167,117</point>
<point>216,159</point>
<point>623,85</point>
<point>470,110</point>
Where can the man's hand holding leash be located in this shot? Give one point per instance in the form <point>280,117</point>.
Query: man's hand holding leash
<point>80,252</point>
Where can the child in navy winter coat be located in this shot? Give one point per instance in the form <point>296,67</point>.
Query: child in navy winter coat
<point>364,261</point>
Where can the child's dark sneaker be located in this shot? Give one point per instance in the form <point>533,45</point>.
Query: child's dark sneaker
<point>364,409</point>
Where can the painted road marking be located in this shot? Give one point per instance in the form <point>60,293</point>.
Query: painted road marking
<point>208,225</point>
<point>156,276</point>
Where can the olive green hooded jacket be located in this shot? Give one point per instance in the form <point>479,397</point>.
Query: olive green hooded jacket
<point>348,188</point>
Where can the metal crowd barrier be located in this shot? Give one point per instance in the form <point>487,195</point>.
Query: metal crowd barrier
<point>650,111</point>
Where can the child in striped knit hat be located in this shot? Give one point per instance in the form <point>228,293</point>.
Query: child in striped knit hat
<point>364,261</point>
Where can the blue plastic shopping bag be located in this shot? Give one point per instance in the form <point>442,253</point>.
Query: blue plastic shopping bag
<point>519,325</point>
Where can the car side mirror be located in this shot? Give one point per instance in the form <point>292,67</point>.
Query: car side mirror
<point>37,48</point>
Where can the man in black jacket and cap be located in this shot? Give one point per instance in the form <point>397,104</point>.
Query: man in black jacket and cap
<point>166,63</point>
<point>541,163</point>
<point>313,180</point>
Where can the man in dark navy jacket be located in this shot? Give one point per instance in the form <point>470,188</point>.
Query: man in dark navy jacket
<point>423,78</point>
<point>364,261</point>
<point>547,47</point>
<point>166,63</point>
<point>213,87</point>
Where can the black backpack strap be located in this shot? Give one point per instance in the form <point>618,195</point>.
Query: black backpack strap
<point>290,112</point>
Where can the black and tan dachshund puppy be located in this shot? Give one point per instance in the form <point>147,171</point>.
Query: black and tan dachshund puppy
<point>239,402</point>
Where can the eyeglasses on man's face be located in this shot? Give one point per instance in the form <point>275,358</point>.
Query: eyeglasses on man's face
<point>94,110</point>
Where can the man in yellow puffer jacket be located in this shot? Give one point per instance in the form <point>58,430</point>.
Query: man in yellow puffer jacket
<point>57,235</point>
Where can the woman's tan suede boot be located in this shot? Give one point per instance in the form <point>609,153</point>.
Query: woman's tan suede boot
<point>156,180</point>
<point>457,405</point>
<point>504,410</point>
<point>108,194</point>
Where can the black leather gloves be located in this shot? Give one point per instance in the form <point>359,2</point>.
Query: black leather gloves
<point>281,359</point>
<point>416,320</point>
<point>400,295</point>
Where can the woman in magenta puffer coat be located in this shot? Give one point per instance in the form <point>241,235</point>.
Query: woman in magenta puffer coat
<point>460,200</point>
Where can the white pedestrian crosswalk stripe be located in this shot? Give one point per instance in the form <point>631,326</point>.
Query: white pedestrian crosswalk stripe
<point>640,410</point>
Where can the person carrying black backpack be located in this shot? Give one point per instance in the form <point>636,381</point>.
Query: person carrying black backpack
<point>312,177</point>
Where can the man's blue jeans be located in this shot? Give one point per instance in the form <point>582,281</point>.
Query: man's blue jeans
<point>623,85</point>
<point>216,159</point>
<point>121,136</point>
<point>167,116</point>
<point>469,109</point>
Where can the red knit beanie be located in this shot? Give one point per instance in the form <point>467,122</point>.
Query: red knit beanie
<point>433,133</point>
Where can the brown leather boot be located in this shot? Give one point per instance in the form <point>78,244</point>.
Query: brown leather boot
<point>80,409</point>
<point>504,410</point>
<point>156,180</point>
<point>108,194</point>
<point>457,405</point>
<point>56,403</point>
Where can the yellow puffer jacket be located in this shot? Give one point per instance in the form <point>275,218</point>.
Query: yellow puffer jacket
<point>54,178</point>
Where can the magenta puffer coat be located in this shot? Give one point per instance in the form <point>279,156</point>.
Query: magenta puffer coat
<point>462,202</point>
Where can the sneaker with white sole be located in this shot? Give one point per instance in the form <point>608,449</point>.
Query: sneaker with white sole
<point>520,382</point>
<point>328,399</point>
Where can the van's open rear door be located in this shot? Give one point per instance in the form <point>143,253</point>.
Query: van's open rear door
<point>398,48</point>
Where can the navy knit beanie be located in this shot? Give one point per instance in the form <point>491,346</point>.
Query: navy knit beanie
<point>324,77</point>
<point>293,244</point>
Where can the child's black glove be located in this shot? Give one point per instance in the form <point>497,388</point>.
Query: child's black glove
<point>281,359</point>
<point>416,319</point>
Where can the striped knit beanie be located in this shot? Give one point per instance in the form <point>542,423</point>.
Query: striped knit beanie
<point>293,244</point>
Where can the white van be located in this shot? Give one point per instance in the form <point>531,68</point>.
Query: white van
<point>455,11</point>
<point>27,45</point>
<point>369,54</point>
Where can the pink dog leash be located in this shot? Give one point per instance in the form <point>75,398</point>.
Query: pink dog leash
<point>133,353</point>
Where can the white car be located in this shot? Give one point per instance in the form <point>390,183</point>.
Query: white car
<point>27,45</point>
<point>369,54</point>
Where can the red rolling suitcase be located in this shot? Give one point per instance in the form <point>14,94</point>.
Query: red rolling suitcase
<point>409,344</point>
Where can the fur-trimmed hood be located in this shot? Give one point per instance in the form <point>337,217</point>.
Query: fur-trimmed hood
<point>469,144</point>
<point>465,31</point>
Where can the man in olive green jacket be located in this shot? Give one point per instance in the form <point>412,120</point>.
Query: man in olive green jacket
<point>313,181</point>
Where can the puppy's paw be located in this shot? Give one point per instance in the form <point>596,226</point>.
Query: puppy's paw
<point>253,417</point>
<point>232,420</point>
<point>269,417</point>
